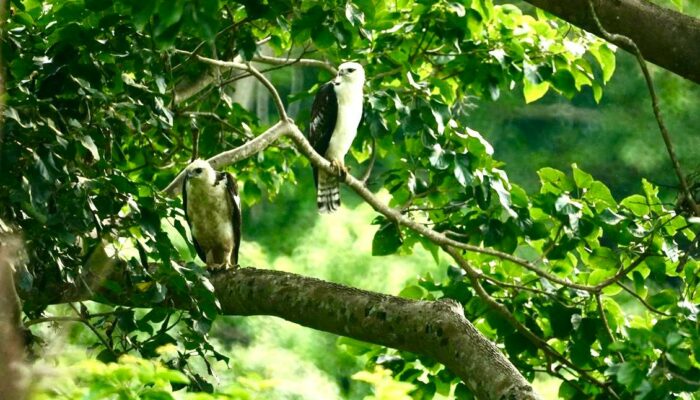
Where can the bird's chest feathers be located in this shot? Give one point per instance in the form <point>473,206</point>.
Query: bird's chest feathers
<point>209,211</point>
<point>349,116</point>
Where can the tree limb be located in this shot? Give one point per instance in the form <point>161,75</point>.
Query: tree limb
<point>665,37</point>
<point>436,329</point>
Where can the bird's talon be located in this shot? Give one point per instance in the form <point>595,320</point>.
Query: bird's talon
<point>339,168</point>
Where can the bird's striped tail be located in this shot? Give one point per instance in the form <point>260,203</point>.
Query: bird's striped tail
<point>327,193</point>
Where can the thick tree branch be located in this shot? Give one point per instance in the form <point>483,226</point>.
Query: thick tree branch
<point>436,329</point>
<point>665,37</point>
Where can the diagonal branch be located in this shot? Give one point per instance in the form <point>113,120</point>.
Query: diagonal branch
<point>290,129</point>
<point>250,148</point>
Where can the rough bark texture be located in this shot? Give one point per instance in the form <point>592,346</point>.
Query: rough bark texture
<point>434,328</point>
<point>437,329</point>
<point>665,37</point>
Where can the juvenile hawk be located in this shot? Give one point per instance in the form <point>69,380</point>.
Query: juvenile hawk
<point>213,210</point>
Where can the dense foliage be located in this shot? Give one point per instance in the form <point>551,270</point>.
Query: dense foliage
<point>601,291</point>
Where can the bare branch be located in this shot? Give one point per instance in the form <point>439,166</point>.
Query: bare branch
<point>43,320</point>
<point>248,68</point>
<point>254,146</point>
<point>641,300</point>
<point>300,62</point>
<point>186,90</point>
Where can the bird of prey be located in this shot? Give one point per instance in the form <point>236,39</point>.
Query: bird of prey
<point>335,116</point>
<point>213,211</point>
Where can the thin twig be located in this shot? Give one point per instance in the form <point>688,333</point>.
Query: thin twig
<point>195,144</point>
<point>601,311</point>
<point>641,299</point>
<point>613,37</point>
<point>252,70</point>
<point>686,255</point>
<point>43,320</point>
<point>372,160</point>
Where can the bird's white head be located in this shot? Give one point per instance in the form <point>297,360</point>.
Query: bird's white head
<point>350,73</point>
<point>201,171</point>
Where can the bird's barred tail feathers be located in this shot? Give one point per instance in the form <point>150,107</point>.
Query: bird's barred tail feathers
<point>327,193</point>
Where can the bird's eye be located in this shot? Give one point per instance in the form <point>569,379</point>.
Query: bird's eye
<point>198,170</point>
<point>351,70</point>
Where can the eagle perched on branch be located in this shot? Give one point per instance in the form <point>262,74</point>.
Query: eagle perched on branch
<point>213,211</point>
<point>335,116</point>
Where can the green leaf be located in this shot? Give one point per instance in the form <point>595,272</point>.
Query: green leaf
<point>600,196</point>
<point>565,82</point>
<point>461,170</point>
<point>583,179</point>
<point>606,61</point>
<point>387,240</point>
<point>172,376</point>
<point>534,91</point>
<point>637,204</point>
<point>610,217</point>
<point>413,292</point>
<point>663,299</point>
<point>323,38</point>
<point>89,144</point>
<point>680,358</point>
<point>567,391</point>
<point>554,181</point>
<point>629,375</point>
<point>604,258</point>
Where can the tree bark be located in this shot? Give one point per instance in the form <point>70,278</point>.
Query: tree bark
<point>437,329</point>
<point>665,37</point>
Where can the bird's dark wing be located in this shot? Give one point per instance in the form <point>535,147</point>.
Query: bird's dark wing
<point>197,248</point>
<point>324,113</point>
<point>236,219</point>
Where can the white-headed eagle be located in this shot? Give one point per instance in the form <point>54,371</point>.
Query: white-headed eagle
<point>335,116</point>
<point>213,210</point>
